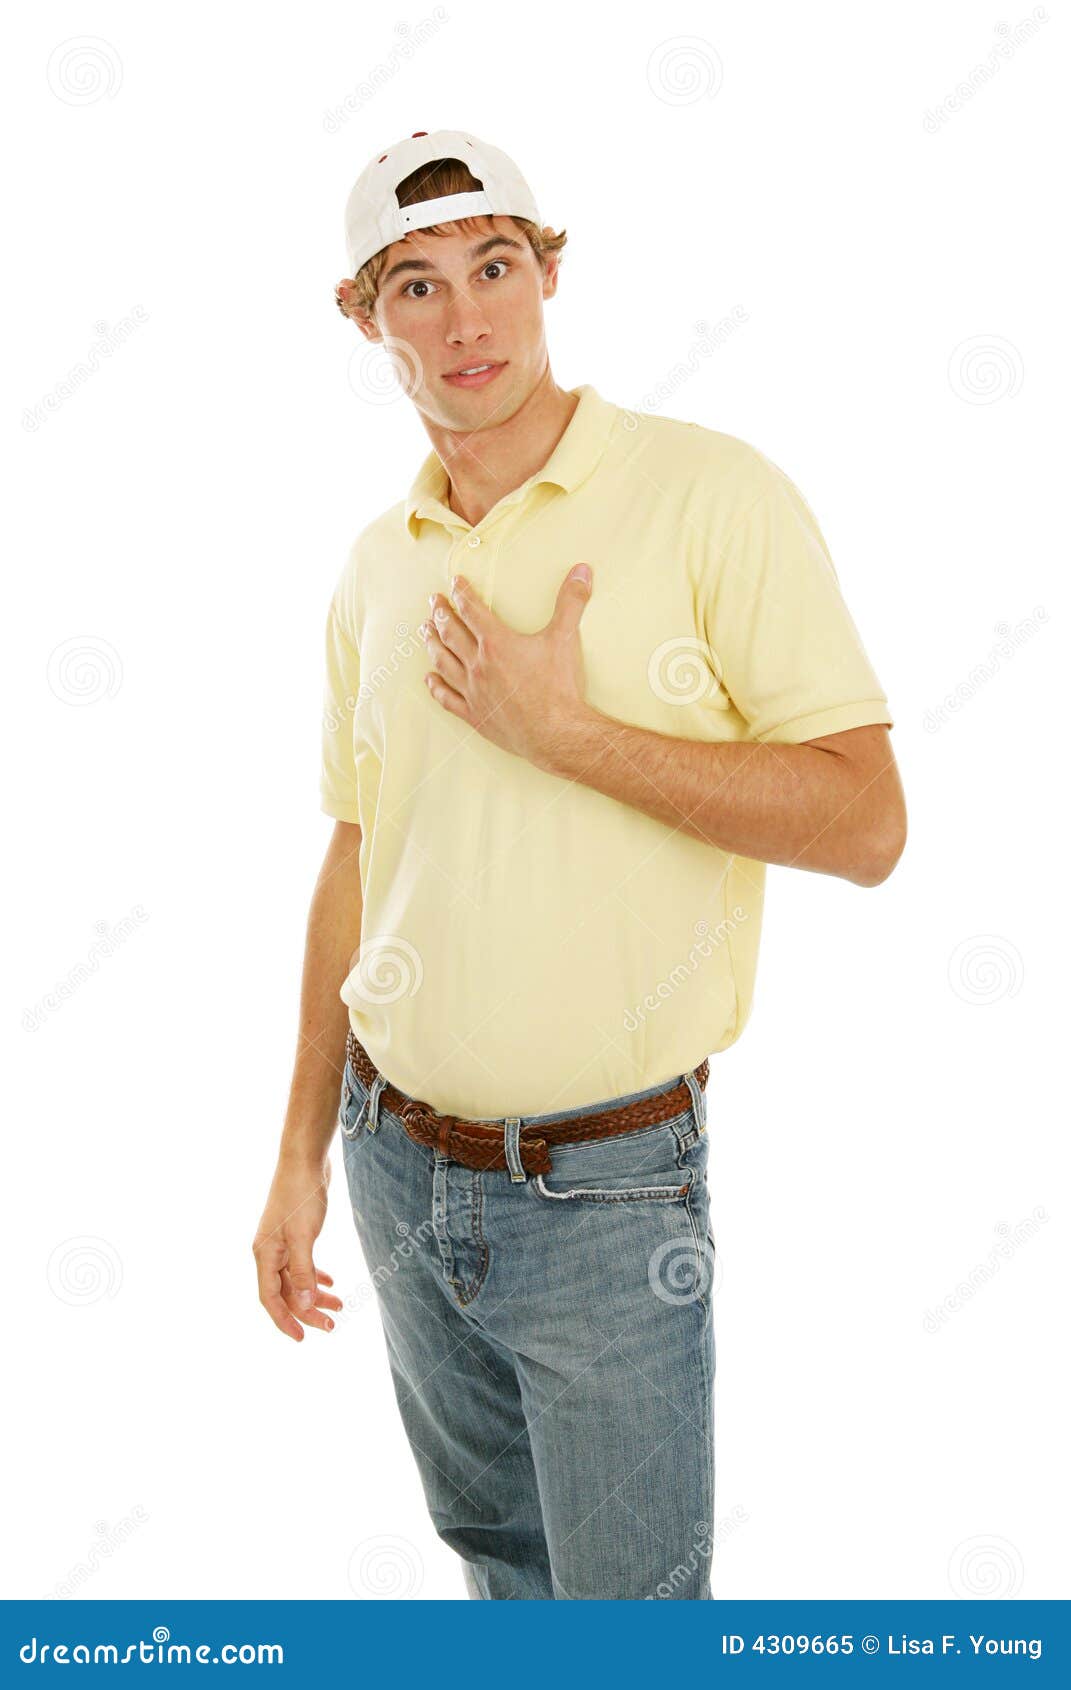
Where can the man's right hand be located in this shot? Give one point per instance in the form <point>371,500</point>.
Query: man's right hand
<point>291,1286</point>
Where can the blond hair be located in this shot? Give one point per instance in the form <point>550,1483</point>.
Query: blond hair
<point>441,176</point>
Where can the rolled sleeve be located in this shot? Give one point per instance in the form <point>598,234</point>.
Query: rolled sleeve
<point>782,639</point>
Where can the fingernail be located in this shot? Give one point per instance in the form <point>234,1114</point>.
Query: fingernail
<point>330,1325</point>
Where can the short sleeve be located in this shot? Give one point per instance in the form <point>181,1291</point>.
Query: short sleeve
<point>783,642</point>
<point>342,679</point>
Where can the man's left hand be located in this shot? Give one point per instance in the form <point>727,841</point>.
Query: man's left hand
<point>521,691</point>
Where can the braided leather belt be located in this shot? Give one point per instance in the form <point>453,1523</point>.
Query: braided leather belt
<point>481,1144</point>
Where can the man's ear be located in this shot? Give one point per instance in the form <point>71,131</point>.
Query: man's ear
<point>367,325</point>
<point>550,274</point>
<point>356,314</point>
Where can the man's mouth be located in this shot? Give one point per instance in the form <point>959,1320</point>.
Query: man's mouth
<point>476,374</point>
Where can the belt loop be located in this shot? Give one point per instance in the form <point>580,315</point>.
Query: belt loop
<point>513,1149</point>
<point>378,1085</point>
<point>699,1101</point>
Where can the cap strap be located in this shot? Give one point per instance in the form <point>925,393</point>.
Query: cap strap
<point>444,210</point>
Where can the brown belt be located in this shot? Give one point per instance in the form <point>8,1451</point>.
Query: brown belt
<point>481,1144</point>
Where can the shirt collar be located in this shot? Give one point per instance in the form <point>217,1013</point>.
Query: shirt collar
<point>571,462</point>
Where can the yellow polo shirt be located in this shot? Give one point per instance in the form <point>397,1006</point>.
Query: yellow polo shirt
<point>528,944</point>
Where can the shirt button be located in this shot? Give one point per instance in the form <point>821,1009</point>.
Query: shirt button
<point>474,539</point>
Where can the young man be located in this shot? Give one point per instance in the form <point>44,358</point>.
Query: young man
<point>638,684</point>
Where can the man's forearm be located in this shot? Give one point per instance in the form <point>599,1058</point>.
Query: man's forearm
<point>334,930</point>
<point>798,805</point>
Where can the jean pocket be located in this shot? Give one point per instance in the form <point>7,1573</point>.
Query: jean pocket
<point>352,1106</point>
<point>646,1166</point>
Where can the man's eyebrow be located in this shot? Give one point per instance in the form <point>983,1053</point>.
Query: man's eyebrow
<point>477,251</point>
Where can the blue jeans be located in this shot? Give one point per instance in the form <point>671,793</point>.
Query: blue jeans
<point>551,1344</point>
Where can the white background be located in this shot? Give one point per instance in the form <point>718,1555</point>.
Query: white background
<point>181,516</point>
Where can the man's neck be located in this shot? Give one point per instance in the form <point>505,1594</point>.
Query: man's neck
<point>486,464</point>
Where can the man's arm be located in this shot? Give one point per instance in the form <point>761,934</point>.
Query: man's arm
<point>290,1285</point>
<point>834,805</point>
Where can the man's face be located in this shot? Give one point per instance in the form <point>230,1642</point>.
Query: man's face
<point>459,301</point>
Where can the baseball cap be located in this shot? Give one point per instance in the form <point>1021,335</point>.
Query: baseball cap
<point>374,219</point>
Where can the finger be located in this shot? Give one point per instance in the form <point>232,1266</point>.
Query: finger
<point>314,1315</point>
<point>444,663</point>
<point>302,1277</point>
<point>444,695</point>
<point>269,1281</point>
<point>471,608</point>
<point>572,600</point>
<point>324,1278</point>
<point>451,628</point>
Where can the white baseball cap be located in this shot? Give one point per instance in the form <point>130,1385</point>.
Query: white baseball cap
<point>374,219</point>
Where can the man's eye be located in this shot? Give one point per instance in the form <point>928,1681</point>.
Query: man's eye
<point>417,284</point>
<point>496,264</point>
